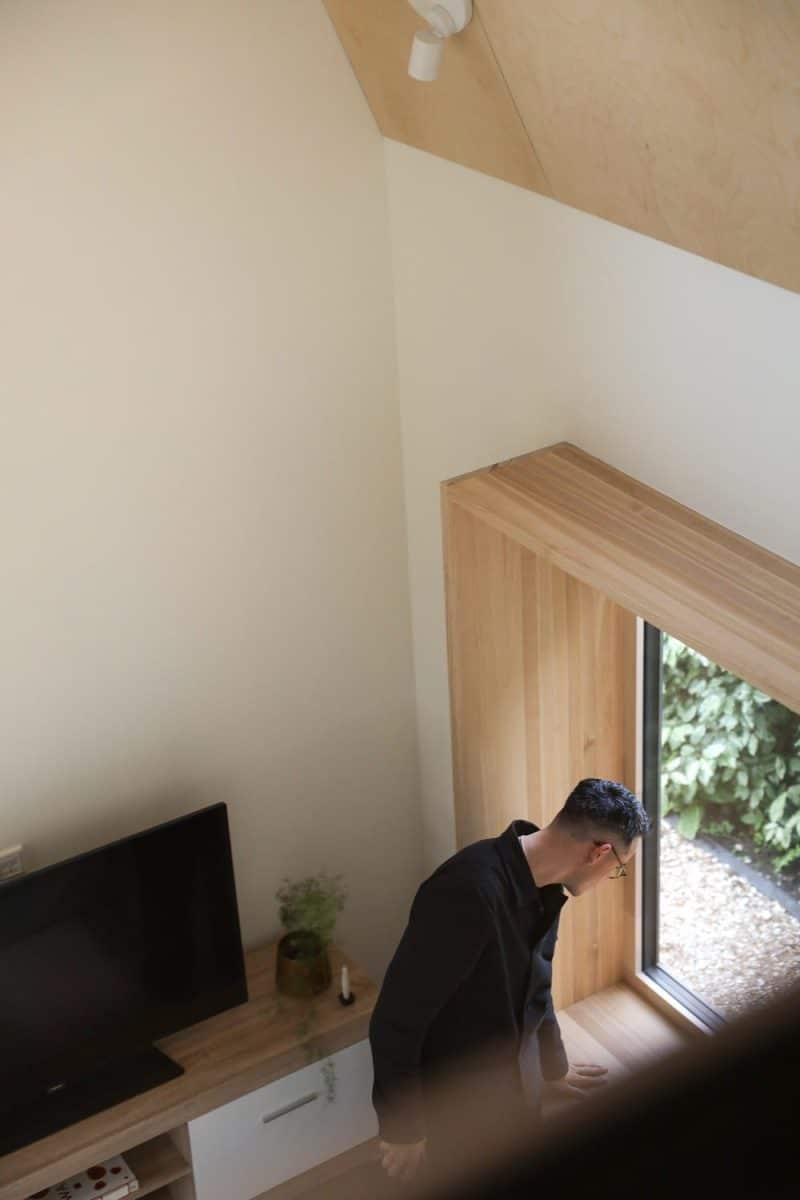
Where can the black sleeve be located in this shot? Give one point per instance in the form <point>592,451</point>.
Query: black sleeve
<point>447,930</point>
<point>553,1056</point>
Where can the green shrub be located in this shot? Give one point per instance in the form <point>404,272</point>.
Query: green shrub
<point>730,755</point>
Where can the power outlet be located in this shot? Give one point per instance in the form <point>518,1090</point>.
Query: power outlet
<point>10,863</point>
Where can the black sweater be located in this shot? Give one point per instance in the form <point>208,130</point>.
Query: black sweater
<point>472,971</point>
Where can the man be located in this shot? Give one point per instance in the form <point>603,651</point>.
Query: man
<point>467,993</point>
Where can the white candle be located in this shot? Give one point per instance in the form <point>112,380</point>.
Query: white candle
<point>345,983</point>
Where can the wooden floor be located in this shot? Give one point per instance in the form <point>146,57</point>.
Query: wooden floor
<point>615,1028</point>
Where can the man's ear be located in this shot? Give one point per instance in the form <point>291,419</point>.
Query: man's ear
<point>598,851</point>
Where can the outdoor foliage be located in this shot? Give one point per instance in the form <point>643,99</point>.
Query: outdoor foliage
<point>730,756</point>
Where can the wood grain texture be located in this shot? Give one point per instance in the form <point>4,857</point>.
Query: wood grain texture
<point>157,1163</point>
<point>537,704</point>
<point>715,590</point>
<point>225,1057</point>
<point>679,121</point>
<point>552,560</point>
<point>573,649</point>
<point>485,627</point>
<point>468,115</point>
<point>625,1025</point>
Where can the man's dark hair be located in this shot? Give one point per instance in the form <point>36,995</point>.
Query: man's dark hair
<point>602,809</point>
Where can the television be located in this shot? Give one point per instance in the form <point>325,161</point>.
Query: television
<point>105,953</point>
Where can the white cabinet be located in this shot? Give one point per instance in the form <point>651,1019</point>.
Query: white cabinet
<point>265,1137</point>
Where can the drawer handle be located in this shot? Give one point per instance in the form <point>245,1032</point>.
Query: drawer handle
<point>287,1108</point>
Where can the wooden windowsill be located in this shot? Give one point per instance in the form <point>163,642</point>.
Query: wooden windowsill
<point>620,1028</point>
<point>662,1000</point>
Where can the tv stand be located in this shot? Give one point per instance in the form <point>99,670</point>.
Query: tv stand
<point>263,1059</point>
<point>101,1090</point>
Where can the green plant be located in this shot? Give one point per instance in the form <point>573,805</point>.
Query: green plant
<point>730,755</point>
<point>314,1048</point>
<point>312,904</point>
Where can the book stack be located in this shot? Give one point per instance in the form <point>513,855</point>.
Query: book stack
<point>113,1180</point>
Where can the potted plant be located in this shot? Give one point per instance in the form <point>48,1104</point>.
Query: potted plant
<point>308,911</point>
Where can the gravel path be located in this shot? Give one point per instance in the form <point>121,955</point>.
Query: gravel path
<point>723,939</point>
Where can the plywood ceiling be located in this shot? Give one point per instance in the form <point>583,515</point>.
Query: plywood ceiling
<point>678,120</point>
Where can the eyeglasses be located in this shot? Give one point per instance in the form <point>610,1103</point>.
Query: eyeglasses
<point>619,871</point>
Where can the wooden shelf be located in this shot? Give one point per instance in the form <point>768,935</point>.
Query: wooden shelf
<point>156,1163</point>
<point>225,1057</point>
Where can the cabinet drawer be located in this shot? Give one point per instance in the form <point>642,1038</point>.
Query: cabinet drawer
<point>256,1142</point>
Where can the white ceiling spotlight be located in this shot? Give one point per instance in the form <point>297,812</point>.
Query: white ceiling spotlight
<point>445,17</point>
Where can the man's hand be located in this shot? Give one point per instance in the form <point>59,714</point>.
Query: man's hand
<point>580,1079</point>
<point>402,1160</point>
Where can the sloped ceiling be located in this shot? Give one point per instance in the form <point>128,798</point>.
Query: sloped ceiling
<point>677,119</point>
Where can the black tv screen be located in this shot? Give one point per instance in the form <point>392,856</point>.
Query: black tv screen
<point>103,954</point>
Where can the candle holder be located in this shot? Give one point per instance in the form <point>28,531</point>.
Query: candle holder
<point>350,999</point>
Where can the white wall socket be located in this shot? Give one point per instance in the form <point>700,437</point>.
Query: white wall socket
<point>10,863</point>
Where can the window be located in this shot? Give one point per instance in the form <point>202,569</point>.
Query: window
<point>721,927</point>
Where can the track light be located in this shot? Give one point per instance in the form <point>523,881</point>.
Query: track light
<point>445,18</point>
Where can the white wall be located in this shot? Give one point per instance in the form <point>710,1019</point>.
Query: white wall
<point>522,322</point>
<point>203,573</point>
<point>203,576</point>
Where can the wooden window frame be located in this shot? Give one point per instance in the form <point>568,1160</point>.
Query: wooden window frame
<point>654,559</point>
